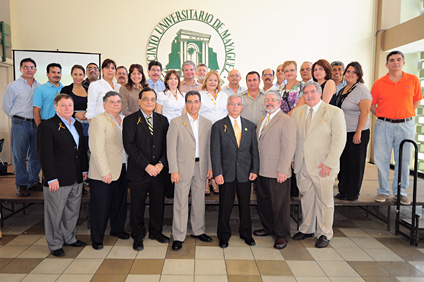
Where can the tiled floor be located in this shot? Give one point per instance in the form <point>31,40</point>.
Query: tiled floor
<point>360,251</point>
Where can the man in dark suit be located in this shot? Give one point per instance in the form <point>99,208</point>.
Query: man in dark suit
<point>144,137</point>
<point>235,162</point>
<point>63,159</point>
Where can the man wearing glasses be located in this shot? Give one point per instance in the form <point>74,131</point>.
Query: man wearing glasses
<point>276,133</point>
<point>144,137</point>
<point>234,87</point>
<point>306,71</point>
<point>268,76</point>
<point>17,104</point>
<point>92,71</point>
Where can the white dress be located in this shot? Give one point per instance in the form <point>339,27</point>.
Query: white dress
<point>213,109</point>
<point>171,107</point>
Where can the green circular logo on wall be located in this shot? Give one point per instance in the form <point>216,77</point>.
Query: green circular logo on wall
<point>192,35</point>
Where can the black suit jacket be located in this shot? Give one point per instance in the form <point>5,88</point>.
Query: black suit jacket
<point>143,148</point>
<point>58,154</point>
<point>233,162</point>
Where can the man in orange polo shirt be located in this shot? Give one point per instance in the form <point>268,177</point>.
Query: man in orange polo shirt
<point>395,98</point>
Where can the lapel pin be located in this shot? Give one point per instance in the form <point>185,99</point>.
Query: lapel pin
<point>60,126</point>
<point>225,128</point>
<point>139,120</point>
<point>185,124</point>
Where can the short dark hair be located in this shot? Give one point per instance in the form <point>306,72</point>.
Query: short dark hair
<point>28,60</point>
<point>253,72</point>
<point>193,93</point>
<point>146,89</point>
<point>60,97</point>
<point>327,68</point>
<point>268,69</point>
<point>394,53</point>
<point>77,67</point>
<point>107,62</point>
<point>53,65</point>
<point>122,67</point>
<point>111,93</point>
<point>154,63</point>
<point>358,70</point>
<point>92,64</point>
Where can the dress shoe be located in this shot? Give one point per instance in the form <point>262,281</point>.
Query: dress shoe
<point>322,242</point>
<point>22,191</point>
<point>36,187</point>
<point>249,241</point>
<point>77,244</point>
<point>97,246</point>
<point>301,236</point>
<point>138,245</point>
<point>202,237</point>
<point>121,235</point>
<point>261,232</point>
<point>159,237</point>
<point>177,245</point>
<point>280,243</point>
<point>223,243</point>
<point>346,198</point>
<point>58,253</point>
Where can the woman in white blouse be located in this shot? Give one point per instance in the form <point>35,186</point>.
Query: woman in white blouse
<point>214,107</point>
<point>98,89</point>
<point>170,102</point>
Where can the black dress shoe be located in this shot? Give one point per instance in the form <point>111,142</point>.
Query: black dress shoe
<point>223,243</point>
<point>36,187</point>
<point>77,244</point>
<point>249,241</point>
<point>202,237</point>
<point>261,232</point>
<point>340,197</point>
<point>138,245</point>
<point>177,245</point>
<point>301,236</point>
<point>159,237</point>
<point>58,253</point>
<point>322,242</point>
<point>280,243</point>
<point>121,235</point>
<point>97,246</point>
<point>22,191</point>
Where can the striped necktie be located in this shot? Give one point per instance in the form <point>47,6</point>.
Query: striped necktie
<point>263,128</point>
<point>149,123</point>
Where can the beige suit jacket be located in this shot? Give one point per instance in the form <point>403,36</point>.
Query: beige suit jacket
<point>106,147</point>
<point>181,147</point>
<point>276,145</point>
<point>325,141</point>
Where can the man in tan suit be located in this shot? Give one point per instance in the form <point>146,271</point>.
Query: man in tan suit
<point>276,133</point>
<point>188,151</point>
<point>321,138</point>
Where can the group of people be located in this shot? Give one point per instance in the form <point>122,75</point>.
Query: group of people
<point>172,138</point>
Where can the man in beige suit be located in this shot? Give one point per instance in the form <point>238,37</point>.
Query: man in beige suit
<point>107,172</point>
<point>276,133</point>
<point>188,151</point>
<point>321,138</point>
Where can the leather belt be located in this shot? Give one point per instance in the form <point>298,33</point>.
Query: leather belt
<point>196,160</point>
<point>25,119</point>
<point>395,120</point>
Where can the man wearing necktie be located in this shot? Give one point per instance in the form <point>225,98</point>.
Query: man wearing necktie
<point>276,133</point>
<point>144,138</point>
<point>235,163</point>
<point>321,138</point>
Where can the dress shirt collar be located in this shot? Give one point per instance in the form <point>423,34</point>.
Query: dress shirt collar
<point>315,108</point>
<point>238,119</point>
<point>66,122</point>
<point>192,119</point>
<point>272,115</point>
<point>145,116</point>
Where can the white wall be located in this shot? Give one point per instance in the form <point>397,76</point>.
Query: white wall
<point>265,33</point>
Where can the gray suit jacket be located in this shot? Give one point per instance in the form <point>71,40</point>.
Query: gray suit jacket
<point>276,145</point>
<point>181,147</point>
<point>325,140</point>
<point>233,162</point>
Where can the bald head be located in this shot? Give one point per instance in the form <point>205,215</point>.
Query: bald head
<point>234,77</point>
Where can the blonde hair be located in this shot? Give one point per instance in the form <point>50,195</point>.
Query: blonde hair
<point>287,63</point>
<point>218,88</point>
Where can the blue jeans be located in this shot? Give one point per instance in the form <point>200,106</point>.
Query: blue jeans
<point>388,136</point>
<point>24,135</point>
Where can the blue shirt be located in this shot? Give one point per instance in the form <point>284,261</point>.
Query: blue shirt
<point>160,86</point>
<point>340,85</point>
<point>72,129</point>
<point>17,98</point>
<point>145,116</point>
<point>43,98</point>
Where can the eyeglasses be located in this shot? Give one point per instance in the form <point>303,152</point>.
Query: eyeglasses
<point>193,102</point>
<point>145,99</point>
<point>271,100</point>
<point>234,75</point>
<point>287,71</point>
<point>29,68</point>
<point>235,104</point>
<point>92,69</point>
<point>307,69</point>
<point>268,75</point>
